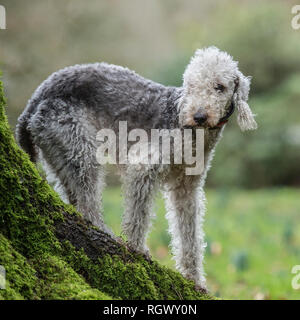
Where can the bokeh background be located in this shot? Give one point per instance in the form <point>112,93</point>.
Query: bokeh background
<point>253,210</point>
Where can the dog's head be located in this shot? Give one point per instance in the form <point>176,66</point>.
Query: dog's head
<point>213,87</point>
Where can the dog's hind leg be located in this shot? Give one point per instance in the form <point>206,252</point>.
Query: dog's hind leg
<point>68,143</point>
<point>52,179</point>
<point>185,211</point>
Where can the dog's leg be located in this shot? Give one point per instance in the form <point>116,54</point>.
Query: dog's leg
<point>85,192</point>
<point>139,188</point>
<point>185,204</point>
<point>53,180</point>
<point>68,145</point>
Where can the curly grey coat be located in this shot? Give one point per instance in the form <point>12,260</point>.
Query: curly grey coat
<point>61,120</point>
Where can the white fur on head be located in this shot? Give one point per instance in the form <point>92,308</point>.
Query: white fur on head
<point>208,68</point>
<point>245,117</point>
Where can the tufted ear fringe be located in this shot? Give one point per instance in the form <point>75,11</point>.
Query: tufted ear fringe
<point>245,116</point>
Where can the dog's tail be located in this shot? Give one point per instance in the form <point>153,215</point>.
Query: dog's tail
<point>23,134</point>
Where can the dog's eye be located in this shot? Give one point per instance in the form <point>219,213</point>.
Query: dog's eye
<point>219,87</point>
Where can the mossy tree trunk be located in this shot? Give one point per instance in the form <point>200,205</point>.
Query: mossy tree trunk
<point>50,252</point>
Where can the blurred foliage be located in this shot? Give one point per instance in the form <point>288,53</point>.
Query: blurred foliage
<point>157,38</point>
<point>240,260</point>
<point>257,34</point>
<point>253,240</point>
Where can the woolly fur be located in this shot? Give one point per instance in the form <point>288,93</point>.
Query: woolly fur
<point>60,123</point>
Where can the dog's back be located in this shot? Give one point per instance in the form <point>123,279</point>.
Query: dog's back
<point>101,87</point>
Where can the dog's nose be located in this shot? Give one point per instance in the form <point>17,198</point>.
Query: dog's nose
<point>200,117</point>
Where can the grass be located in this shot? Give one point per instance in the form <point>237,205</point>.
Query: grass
<point>253,240</point>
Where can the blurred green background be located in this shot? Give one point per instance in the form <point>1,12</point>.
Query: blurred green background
<point>253,214</point>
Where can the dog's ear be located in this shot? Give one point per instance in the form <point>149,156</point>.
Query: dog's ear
<point>245,117</point>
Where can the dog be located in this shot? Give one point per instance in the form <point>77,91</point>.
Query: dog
<point>60,123</point>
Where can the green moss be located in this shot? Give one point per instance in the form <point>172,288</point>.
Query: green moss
<point>133,279</point>
<point>60,281</point>
<point>46,277</point>
<point>21,279</point>
<point>39,266</point>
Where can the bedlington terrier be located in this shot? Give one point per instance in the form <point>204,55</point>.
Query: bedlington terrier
<point>60,124</point>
